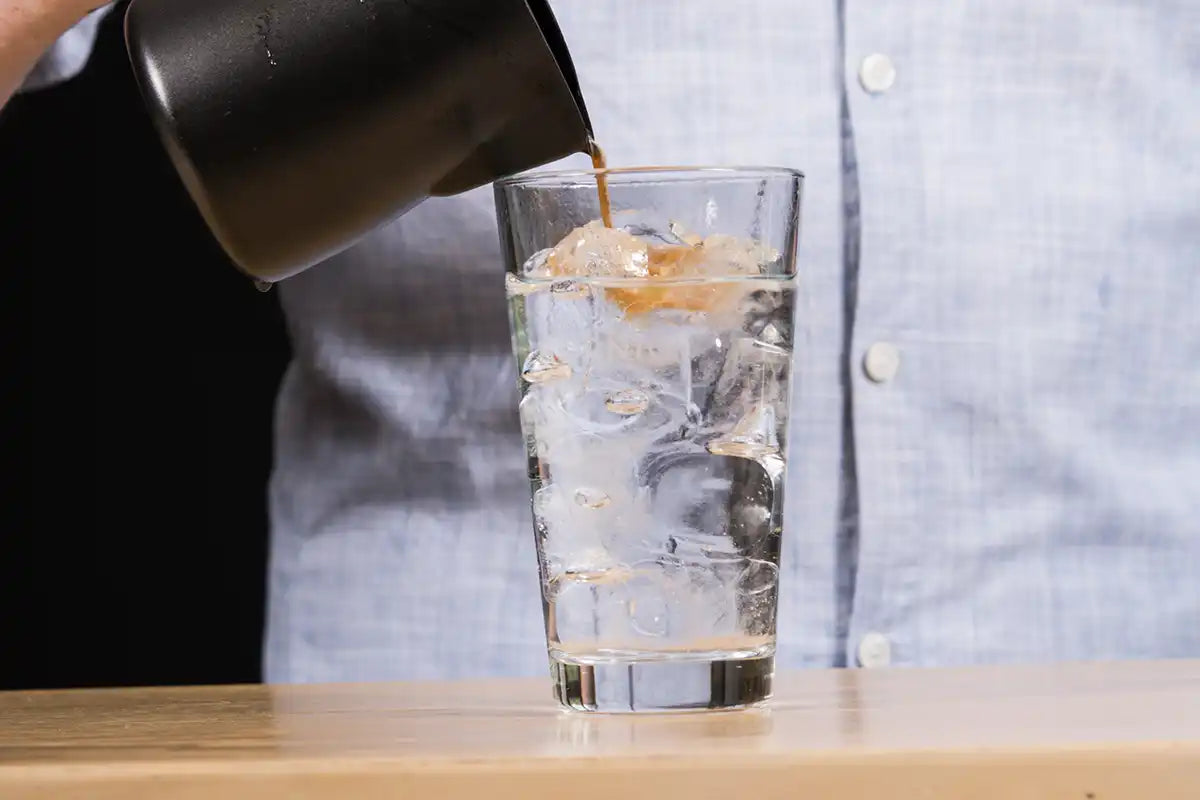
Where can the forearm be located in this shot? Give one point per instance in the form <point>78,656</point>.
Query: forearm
<point>27,29</point>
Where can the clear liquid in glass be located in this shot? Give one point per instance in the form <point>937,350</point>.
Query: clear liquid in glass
<point>654,409</point>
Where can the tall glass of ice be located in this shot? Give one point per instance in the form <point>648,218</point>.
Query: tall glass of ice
<point>655,362</point>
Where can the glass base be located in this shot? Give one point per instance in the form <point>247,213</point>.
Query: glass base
<point>616,686</point>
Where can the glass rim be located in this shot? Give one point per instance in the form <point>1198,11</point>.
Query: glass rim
<point>563,176</point>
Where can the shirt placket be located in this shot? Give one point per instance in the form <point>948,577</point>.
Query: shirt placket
<point>883,351</point>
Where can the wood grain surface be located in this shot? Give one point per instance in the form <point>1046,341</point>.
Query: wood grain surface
<point>1103,731</point>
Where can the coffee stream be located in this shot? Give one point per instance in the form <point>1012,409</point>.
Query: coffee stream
<point>600,164</point>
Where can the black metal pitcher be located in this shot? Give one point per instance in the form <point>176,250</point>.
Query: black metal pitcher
<point>298,126</point>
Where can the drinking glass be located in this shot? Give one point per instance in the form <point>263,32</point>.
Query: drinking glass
<point>655,362</point>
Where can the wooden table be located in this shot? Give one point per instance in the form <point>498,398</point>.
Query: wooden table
<point>1075,732</point>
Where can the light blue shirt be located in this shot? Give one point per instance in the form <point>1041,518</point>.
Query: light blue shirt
<point>67,57</point>
<point>1017,216</point>
<point>1001,220</point>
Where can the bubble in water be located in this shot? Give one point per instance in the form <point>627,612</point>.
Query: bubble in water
<point>544,367</point>
<point>760,576</point>
<point>515,287</point>
<point>752,437</point>
<point>738,447</point>
<point>648,615</point>
<point>627,402</point>
<point>538,264</point>
<point>592,498</point>
<point>569,288</point>
<point>648,592</point>
<point>596,567</point>
<point>600,412</point>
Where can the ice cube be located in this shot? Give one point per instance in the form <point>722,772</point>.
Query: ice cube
<point>767,315</point>
<point>562,318</point>
<point>544,367</point>
<point>589,414</point>
<point>594,250</point>
<point>572,542</point>
<point>649,592</point>
<point>668,233</point>
<point>772,336</point>
<point>529,411</point>
<point>515,287</point>
<point>653,343</point>
<point>682,234</point>
<point>585,607</point>
<point>672,263</point>
<point>592,498</point>
<point>753,374</point>
<point>568,288</point>
<point>649,612</point>
<point>695,547</point>
<point>627,402</point>
<point>758,577</point>
<point>538,264</point>
<point>691,492</point>
<point>721,254</point>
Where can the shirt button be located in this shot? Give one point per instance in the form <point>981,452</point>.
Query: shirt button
<point>881,362</point>
<point>876,73</point>
<point>874,651</point>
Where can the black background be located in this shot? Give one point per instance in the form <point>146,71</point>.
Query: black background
<point>140,370</point>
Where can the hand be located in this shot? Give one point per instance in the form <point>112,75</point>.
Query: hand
<point>27,29</point>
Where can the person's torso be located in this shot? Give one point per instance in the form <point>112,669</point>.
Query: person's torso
<point>1019,215</point>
